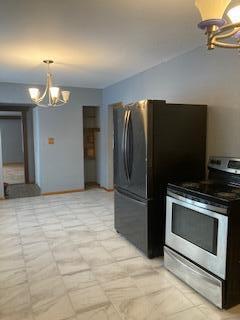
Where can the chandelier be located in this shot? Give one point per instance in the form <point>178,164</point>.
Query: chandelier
<point>52,96</point>
<point>220,33</point>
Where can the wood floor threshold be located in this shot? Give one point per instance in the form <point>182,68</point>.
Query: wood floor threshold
<point>71,191</point>
<point>108,190</point>
<point>62,192</point>
<point>13,164</point>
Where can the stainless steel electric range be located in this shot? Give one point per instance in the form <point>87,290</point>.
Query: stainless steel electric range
<point>202,241</point>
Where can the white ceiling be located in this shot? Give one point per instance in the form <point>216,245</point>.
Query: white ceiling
<point>94,43</point>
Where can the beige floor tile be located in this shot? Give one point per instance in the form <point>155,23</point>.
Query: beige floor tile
<point>72,266</point>
<point>109,272</point>
<point>32,235</point>
<point>35,250</point>
<point>52,226</point>
<point>41,267</point>
<point>10,262</point>
<point>136,266</point>
<point>190,314</point>
<point>14,299</point>
<point>135,309</point>
<point>21,315</point>
<point>64,252</point>
<point>80,280</point>
<point>57,309</point>
<point>151,282</point>
<point>120,291</point>
<point>107,234</point>
<point>195,298</point>
<point>124,253</point>
<point>9,241</point>
<point>49,300</point>
<point>213,313</point>
<point>105,312</point>
<point>13,277</point>
<point>96,256</point>
<point>87,298</point>
<point>7,252</point>
<point>80,237</point>
<point>168,301</point>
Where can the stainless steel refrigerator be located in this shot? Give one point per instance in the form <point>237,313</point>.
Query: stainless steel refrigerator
<point>154,143</point>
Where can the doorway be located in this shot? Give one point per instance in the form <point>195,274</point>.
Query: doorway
<point>11,127</point>
<point>91,138</point>
<point>16,125</point>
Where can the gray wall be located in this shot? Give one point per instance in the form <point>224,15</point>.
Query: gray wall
<point>198,76</point>
<point>12,141</point>
<point>59,167</point>
<point>1,170</point>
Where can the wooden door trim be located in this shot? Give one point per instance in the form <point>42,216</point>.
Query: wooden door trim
<point>25,146</point>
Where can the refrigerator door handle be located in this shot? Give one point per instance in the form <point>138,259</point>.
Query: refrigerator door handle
<point>124,143</point>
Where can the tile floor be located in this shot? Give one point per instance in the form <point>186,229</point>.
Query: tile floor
<point>60,259</point>
<point>13,173</point>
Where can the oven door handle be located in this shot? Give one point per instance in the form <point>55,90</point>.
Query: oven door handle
<point>210,207</point>
<point>201,275</point>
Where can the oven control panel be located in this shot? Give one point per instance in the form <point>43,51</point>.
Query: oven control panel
<point>227,164</point>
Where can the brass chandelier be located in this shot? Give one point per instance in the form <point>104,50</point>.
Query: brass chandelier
<point>52,96</point>
<point>220,33</point>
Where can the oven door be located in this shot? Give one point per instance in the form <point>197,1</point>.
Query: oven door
<point>198,233</point>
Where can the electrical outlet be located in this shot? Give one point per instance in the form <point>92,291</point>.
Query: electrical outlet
<point>51,140</point>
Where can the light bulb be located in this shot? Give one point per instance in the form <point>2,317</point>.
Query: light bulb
<point>234,14</point>
<point>54,91</point>
<point>65,95</point>
<point>212,9</point>
<point>34,93</point>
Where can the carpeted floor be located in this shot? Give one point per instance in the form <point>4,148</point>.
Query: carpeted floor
<point>22,191</point>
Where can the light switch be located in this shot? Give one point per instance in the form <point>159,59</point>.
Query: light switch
<point>51,140</point>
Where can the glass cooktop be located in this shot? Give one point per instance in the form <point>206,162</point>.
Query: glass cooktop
<point>211,188</point>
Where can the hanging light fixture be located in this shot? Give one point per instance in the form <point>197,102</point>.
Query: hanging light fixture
<point>52,96</point>
<point>219,32</point>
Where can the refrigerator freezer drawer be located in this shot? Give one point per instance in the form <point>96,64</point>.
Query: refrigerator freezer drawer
<point>201,281</point>
<point>131,220</point>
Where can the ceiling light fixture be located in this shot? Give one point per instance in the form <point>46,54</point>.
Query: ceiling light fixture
<point>219,32</point>
<point>51,95</point>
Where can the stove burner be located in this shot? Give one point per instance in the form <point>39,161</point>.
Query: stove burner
<point>227,195</point>
<point>194,185</point>
<point>237,191</point>
<point>207,182</point>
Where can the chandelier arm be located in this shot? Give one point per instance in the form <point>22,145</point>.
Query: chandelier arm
<point>222,33</point>
<point>46,88</point>
<point>41,105</point>
<point>59,103</point>
<point>49,86</point>
<point>225,45</point>
<point>53,105</point>
<point>225,35</point>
